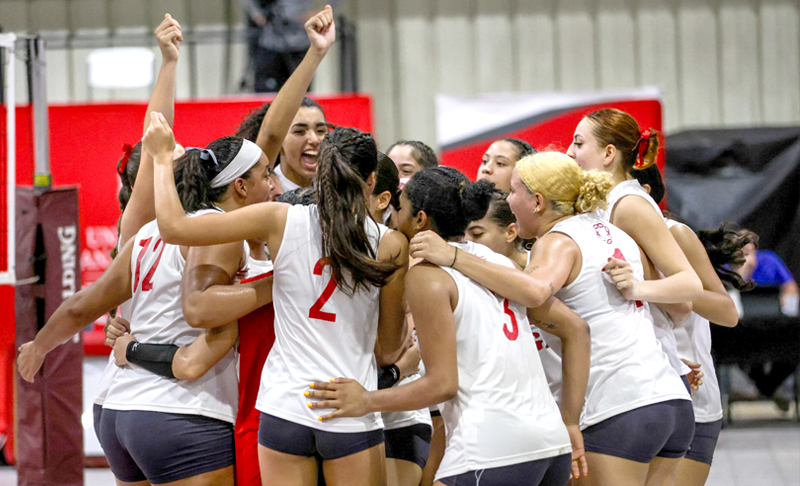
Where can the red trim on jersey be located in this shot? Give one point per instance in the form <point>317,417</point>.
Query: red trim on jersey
<point>256,278</point>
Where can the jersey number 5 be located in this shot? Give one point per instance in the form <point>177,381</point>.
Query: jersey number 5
<point>514,332</point>
<point>316,311</point>
<point>147,283</point>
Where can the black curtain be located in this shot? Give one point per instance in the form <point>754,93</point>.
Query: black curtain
<point>749,176</point>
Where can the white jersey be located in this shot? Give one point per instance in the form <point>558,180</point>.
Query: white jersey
<point>549,348</point>
<point>286,184</point>
<point>627,188</point>
<point>111,367</point>
<point>398,420</point>
<point>504,412</point>
<point>157,317</point>
<point>628,367</point>
<point>320,332</point>
<point>664,325</point>
<point>694,343</point>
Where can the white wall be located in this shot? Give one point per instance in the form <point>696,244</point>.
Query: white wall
<point>719,62</point>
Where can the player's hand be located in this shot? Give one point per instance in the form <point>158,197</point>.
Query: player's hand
<point>429,246</point>
<point>321,30</point>
<point>579,464</point>
<point>159,141</point>
<point>169,38</point>
<point>621,274</point>
<point>29,361</point>
<point>347,396</point>
<point>116,328</point>
<point>695,376</point>
<point>408,364</point>
<point>121,348</point>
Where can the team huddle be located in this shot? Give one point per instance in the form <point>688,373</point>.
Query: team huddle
<point>294,307</point>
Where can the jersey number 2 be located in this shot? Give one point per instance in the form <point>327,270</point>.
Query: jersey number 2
<point>316,311</point>
<point>147,283</point>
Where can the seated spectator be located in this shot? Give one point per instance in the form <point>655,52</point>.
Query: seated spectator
<point>766,269</point>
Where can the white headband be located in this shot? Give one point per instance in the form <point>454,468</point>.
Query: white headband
<point>245,160</point>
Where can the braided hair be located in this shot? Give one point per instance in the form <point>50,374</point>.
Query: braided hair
<point>449,200</point>
<point>347,157</point>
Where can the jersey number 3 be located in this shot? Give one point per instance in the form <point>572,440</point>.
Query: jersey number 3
<point>147,283</point>
<point>316,311</point>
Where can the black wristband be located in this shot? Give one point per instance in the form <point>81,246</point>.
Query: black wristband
<point>156,358</point>
<point>388,376</point>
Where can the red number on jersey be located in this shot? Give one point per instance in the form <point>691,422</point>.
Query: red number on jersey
<point>619,256</point>
<point>539,342</point>
<point>147,283</point>
<point>514,332</point>
<point>316,310</point>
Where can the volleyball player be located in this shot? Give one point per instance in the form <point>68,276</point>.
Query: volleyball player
<point>637,408</point>
<point>498,230</point>
<point>709,253</point>
<point>499,160</point>
<point>363,288</point>
<point>410,157</point>
<point>387,188</point>
<point>501,419</point>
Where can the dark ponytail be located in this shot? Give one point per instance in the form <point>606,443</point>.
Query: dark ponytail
<point>652,177</point>
<point>724,247</point>
<point>387,178</point>
<point>346,159</point>
<point>194,172</point>
<point>449,199</point>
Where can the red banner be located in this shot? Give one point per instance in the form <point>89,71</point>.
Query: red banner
<point>86,141</point>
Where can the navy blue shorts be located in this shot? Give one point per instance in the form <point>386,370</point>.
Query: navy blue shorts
<point>704,441</point>
<point>412,443</point>
<point>292,438</point>
<point>163,447</point>
<point>552,471</point>
<point>663,429</point>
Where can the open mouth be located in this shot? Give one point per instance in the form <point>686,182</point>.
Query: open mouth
<point>309,160</point>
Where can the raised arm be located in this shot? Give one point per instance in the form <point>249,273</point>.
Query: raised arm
<point>141,206</point>
<point>715,304</point>
<point>265,220</point>
<point>321,32</point>
<point>531,288</point>
<point>636,217</point>
<point>107,292</point>
<point>432,295</point>
<point>392,315</point>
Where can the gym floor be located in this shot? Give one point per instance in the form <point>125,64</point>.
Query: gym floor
<point>761,448</point>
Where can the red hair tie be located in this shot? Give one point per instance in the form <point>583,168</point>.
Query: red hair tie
<point>126,150</point>
<point>641,147</point>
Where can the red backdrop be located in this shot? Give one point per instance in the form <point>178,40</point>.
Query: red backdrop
<point>85,145</point>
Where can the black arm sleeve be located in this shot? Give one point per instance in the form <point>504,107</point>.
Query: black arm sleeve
<point>156,358</point>
<point>388,376</point>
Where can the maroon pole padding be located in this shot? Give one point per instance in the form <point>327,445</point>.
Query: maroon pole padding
<point>50,446</point>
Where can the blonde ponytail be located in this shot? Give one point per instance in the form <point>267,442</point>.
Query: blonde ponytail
<point>593,192</point>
